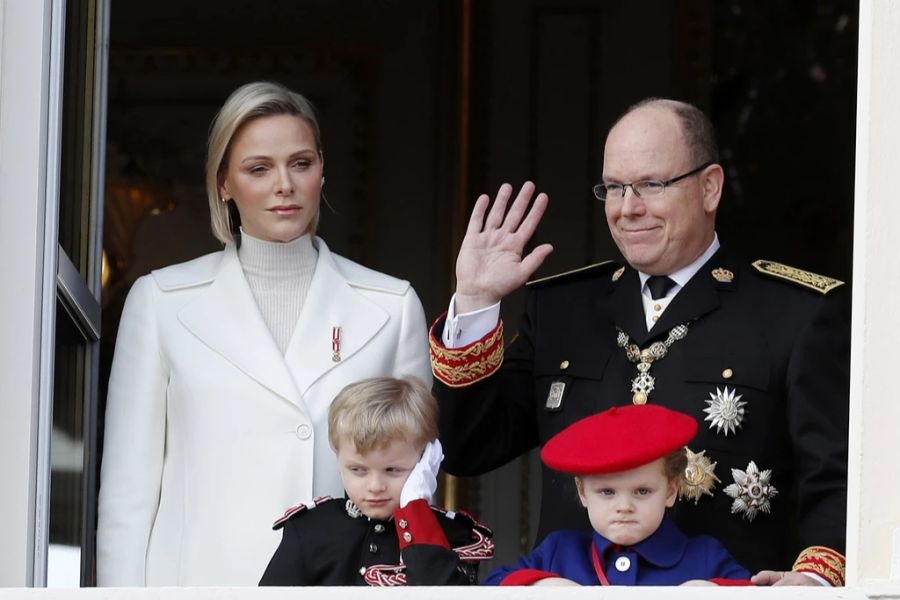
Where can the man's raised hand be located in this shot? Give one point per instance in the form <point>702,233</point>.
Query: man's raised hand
<point>490,264</point>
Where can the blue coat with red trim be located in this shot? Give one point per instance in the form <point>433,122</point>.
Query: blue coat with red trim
<point>667,557</point>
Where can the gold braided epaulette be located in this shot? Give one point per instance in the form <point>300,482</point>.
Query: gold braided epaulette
<point>824,562</point>
<point>813,281</point>
<point>459,367</point>
<point>574,273</point>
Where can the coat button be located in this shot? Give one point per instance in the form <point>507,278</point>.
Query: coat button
<point>727,374</point>
<point>403,524</point>
<point>623,563</point>
<point>304,431</point>
<point>407,537</point>
<point>564,365</point>
<point>373,548</point>
<point>379,528</point>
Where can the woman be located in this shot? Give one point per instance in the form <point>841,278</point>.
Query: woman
<point>225,365</point>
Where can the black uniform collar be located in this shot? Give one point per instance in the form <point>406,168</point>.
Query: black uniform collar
<point>354,511</point>
<point>698,297</point>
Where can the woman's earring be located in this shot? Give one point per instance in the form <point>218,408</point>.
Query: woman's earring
<point>224,199</point>
<point>323,181</point>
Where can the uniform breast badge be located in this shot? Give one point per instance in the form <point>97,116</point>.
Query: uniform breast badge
<point>555,396</point>
<point>699,476</point>
<point>752,491</point>
<point>644,383</point>
<point>725,411</point>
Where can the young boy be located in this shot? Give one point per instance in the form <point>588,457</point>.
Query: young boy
<point>627,463</point>
<point>384,532</point>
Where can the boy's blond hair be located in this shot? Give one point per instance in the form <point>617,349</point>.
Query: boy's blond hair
<point>374,412</point>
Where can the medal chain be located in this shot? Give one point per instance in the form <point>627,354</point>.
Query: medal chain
<point>644,382</point>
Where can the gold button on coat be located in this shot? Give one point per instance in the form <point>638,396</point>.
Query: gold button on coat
<point>564,365</point>
<point>727,373</point>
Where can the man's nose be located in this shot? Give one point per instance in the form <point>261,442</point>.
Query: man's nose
<point>632,204</point>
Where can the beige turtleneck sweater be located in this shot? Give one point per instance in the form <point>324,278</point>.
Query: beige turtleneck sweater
<point>279,275</point>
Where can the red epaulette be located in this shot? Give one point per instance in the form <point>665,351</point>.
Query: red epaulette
<point>297,509</point>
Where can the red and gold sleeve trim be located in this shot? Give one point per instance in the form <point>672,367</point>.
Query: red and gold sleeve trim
<point>416,524</point>
<point>459,367</point>
<point>824,562</point>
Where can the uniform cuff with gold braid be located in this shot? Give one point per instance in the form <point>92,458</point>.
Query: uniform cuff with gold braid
<point>459,367</point>
<point>824,562</point>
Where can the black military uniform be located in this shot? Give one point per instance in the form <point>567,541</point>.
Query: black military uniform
<point>765,360</point>
<point>332,543</point>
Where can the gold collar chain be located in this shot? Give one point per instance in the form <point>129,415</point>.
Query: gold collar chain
<point>643,384</point>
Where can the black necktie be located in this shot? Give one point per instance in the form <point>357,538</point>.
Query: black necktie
<point>659,286</point>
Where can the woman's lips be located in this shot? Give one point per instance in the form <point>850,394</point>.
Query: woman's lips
<point>284,209</point>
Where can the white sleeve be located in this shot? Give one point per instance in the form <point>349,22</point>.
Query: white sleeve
<point>133,443</point>
<point>461,330</point>
<point>412,347</point>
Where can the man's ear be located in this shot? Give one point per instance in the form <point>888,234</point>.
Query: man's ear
<point>712,179</point>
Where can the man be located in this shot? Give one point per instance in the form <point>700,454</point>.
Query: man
<point>757,353</point>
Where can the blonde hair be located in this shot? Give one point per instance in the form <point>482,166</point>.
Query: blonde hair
<point>374,412</point>
<point>248,102</point>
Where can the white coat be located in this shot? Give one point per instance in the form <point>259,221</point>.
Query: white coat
<point>211,432</point>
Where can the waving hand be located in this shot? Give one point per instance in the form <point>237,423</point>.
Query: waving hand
<point>490,264</point>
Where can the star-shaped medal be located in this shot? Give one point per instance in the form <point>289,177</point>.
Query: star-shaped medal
<point>699,476</point>
<point>751,491</point>
<point>725,411</point>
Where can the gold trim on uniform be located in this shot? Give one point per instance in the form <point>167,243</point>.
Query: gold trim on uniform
<point>823,561</point>
<point>813,281</point>
<point>699,477</point>
<point>618,274</point>
<point>722,275</point>
<point>459,367</point>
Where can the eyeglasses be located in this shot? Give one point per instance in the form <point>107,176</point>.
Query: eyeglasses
<point>645,187</point>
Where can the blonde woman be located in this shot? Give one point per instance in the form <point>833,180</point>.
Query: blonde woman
<point>225,366</point>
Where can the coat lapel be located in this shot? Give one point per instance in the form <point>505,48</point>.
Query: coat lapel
<point>626,307</point>
<point>699,297</point>
<point>331,302</point>
<point>227,319</point>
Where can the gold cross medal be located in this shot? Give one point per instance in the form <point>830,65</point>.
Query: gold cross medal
<point>642,385</point>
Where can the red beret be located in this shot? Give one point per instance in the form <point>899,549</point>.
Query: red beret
<point>618,439</point>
